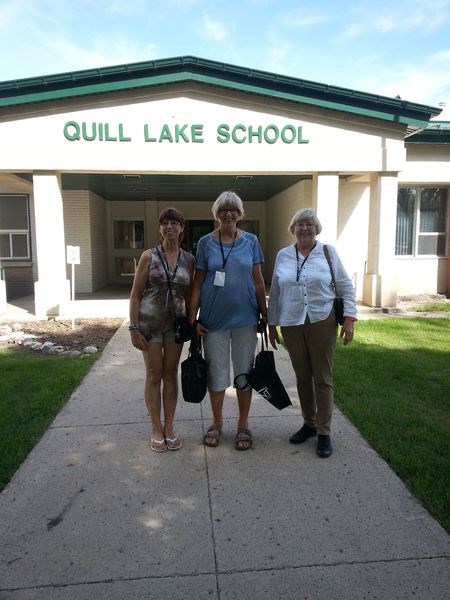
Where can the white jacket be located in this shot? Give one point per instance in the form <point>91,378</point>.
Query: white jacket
<point>291,300</point>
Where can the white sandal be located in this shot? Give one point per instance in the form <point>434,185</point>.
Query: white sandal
<point>158,445</point>
<point>173,444</point>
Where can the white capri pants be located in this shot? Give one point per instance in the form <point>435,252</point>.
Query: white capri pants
<point>217,354</point>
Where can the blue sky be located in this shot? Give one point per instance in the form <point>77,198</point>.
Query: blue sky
<point>388,47</point>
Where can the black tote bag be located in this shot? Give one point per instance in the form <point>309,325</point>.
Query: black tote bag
<point>194,373</point>
<point>264,379</point>
<point>338,302</point>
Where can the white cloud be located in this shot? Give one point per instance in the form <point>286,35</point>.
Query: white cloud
<point>100,54</point>
<point>123,7</point>
<point>8,11</point>
<point>407,15</point>
<point>441,58</point>
<point>184,5</point>
<point>214,29</point>
<point>278,52</point>
<point>427,82</point>
<point>427,16</point>
<point>352,31</point>
<point>303,18</point>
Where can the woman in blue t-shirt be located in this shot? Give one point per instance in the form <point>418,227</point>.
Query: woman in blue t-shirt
<point>229,289</point>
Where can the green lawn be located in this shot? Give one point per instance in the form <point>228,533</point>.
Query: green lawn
<point>393,383</point>
<point>33,388</point>
<point>443,306</point>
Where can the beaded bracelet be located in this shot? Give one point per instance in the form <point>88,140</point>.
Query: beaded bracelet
<point>134,328</point>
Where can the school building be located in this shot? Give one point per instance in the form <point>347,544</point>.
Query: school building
<point>89,158</point>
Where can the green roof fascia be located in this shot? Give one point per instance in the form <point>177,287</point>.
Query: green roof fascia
<point>437,132</point>
<point>302,99</point>
<point>155,80</point>
<point>183,68</point>
<point>438,126</point>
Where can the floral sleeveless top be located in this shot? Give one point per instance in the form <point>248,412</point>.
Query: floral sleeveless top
<point>156,311</point>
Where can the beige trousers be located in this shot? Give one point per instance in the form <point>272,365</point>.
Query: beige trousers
<point>311,348</point>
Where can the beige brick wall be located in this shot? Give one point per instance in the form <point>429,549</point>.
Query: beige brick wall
<point>77,231</point>
<point>279,211</point>
<point>85,225</point>
<point>99,242</point>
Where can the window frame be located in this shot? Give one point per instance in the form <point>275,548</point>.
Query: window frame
<point>135,246</point>
<point>415,226</point>
<point>12,232</point>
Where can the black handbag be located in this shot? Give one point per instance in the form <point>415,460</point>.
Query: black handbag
<point>264,379</point>
<point>194,373</point>
<point>338,303</point>
<point>183,331</point>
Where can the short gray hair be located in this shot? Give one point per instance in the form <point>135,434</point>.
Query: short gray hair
<point>305,214</point>
<point>229,198</point>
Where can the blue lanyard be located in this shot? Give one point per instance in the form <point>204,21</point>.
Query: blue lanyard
<point>165,263</point>
<point>223,253</point>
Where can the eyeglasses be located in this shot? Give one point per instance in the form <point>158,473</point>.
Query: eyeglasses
<point>229,209</point>
<point>170,223</point>
<point>303,225</point>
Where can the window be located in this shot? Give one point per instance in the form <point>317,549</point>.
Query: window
<point>14,227</point>
<point>421,221</point>
<point>128,235</point>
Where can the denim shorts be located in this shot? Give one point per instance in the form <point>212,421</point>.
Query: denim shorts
<point>217,354</point>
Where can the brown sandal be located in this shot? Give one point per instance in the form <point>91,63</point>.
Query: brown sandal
<point>212,436</point>
<point>244,440</point>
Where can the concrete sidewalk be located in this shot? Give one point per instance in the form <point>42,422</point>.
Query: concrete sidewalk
<point>93,514</point>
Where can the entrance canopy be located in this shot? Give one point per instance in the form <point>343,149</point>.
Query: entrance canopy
<point>165,188</point>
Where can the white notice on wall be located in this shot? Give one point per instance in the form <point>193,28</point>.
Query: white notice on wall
<point>73,255</point>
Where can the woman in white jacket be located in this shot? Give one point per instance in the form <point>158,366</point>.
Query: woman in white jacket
<point>301,302</point>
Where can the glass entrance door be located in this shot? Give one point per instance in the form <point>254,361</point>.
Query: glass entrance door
<point>195,229</point>
<point>128,244</point>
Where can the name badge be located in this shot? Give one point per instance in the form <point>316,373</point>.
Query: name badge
<point>219,278</point>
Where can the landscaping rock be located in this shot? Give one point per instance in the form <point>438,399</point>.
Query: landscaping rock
<point>53,337</point>
<point>90,350</point>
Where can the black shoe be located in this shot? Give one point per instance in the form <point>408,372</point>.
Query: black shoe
<point>324,447</point>
<point>303,434</point>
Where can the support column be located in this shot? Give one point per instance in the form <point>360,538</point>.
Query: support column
<point>325,198</point>
<point>52,289</point>
<point>2,295</point>
<point>380,287</point>
<point>151,217</point>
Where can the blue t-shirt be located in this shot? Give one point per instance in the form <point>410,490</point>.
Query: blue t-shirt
<point>233,305</point>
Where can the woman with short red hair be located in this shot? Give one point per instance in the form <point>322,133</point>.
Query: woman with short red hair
<point>160,290</point>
